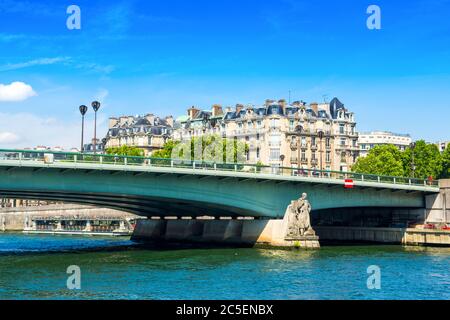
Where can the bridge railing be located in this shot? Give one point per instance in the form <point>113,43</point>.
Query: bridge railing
<point>71,157</point>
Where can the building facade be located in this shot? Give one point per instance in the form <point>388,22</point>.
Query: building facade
<point>442,145</point>
<point>368,140</point>
<point>148,132</point>
<point>317,136</point>
<point>98,147</point>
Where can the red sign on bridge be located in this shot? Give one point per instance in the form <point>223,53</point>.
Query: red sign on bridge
<point>349,184</point>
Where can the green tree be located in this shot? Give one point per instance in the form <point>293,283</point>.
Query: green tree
<point>427,161</point>
<point>445,174</point>
<point>215,146</point>
<point>381,160</point>
<point>125,151</point>
<point>166,151</point>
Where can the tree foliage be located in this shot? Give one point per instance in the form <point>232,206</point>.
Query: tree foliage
<point>445,174</point>
<point>427,161</point>
<point>125,151</point>
<point>422,161</point>
<point>381,160</point>
<point>211,148</point>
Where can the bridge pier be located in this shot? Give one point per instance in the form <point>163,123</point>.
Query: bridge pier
<point>438,205</point>
<point>241,232</point>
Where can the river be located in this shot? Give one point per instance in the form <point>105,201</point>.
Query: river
<point>34,267</point>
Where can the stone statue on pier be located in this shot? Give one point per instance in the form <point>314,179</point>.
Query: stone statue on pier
<point>298,213</point>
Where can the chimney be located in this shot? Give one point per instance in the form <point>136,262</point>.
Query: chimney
<point>282,103</point>
<point>217,110</point>
<point>315,107</point>
<point>150,117</point>
<point>169,121</point>
<point>193,112</point>
<point>112,122</point>
<point>268,102</point>
<point>123,120</point>
<point>239,107</point>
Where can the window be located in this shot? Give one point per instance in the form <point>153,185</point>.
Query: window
<point>291,124</point>
<point>303,156</point>
<point>313,141</point>
<point>257,136</point>
<point>341,129</point>
<point>275,140</point>
<point>275,123</point>
<point>257,153</point>
<point>342,141</point>
<point>328,156</point>
<point>274,154</point>
<point>303,142</point>
<point>327,142</point>
<point>259,123</point>
<point>313,156</point>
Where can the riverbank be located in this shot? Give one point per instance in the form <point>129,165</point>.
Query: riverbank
<point>67,219</point>
<point>404,236</point>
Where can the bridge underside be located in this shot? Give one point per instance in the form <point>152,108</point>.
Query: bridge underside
<point>143,206</point>
<point>368,217</point>
<point>166,192</point>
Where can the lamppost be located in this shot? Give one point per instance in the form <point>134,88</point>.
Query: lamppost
<point>320,134</point>
<point>95,106</point>
<point>298,131</point>
<point>282,157</point>
<point>83,110</point>
<point>413,166</point>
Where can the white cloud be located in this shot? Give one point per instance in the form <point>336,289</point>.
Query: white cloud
<point>16,91</point>
<point>32,130</point>
<point>8,138</point>
<point>101,95</point>
<point>31,63</point>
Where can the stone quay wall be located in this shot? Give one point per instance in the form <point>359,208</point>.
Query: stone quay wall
<point>13,219</point>
<point>240,232</point>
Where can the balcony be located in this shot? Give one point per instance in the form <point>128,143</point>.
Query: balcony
<point>346,133</point>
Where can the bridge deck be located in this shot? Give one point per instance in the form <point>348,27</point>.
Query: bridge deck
<point>241,172</point>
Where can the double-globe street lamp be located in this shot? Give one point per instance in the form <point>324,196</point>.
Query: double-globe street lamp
<point>83,111</point>
<point>95,106</point>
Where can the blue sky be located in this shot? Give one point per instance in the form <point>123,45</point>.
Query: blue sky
<point>164,56</point>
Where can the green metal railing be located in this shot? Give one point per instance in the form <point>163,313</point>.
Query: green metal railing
<point>50,157</point>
